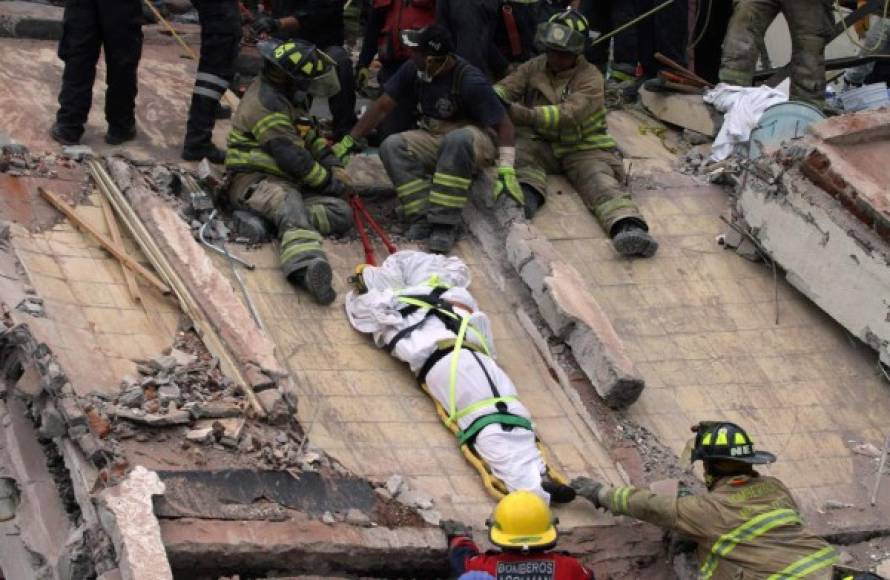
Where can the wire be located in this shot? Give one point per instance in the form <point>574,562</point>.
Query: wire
<point>883,24</point>
<point>707,23</point>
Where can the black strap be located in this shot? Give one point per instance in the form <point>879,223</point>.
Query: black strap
<point>431,362</point>
<point>434,298</point>
<point>404,333</point>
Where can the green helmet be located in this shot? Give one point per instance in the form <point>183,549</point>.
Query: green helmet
<point>303,63</point>
<point>726,441</point>
<point>567,31</point>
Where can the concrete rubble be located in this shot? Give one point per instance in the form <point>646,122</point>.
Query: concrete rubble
<point>820,209</point>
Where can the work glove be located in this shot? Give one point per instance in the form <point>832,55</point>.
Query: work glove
<point>334,188</point>
<point>264,24</point>
<point>454,529</point>
<point>362,74</point>
<point>589,489</point>
<point>507,182</point>
<point>522,115</point>
<point>345,147</point>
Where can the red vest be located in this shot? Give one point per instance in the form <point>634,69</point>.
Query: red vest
<point>535,566</point>
<point>402,15</point>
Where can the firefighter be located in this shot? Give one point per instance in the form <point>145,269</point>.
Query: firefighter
<point>220,43</point>
<point>524,529</point>
<point>433,167</point>
<point>385,24</point>
<point>90,26</point>
<point>746,526</point>
<point>556,101</point>
<point>272,166</point>
<point>318,22</point>
<point>810,23</point>
<point>606,16</point>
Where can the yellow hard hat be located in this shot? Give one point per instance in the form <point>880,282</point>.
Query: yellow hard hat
<point>521,521</point>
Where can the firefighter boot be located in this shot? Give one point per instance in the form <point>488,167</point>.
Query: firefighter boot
<point>316,279</point>
<point>442,238</point>
<point>630,238</point>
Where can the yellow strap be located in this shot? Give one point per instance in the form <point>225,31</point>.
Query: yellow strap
<point>427,306</point>
<point>807,565</point>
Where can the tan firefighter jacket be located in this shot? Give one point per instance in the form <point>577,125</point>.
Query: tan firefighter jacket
<point>746,527</point>
<point>569,107</point>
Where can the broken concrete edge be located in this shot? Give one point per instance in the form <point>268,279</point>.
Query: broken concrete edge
<point>127,514</point>
<point>251,350</point>
<point>303,546</point>
<point>87,547</point>
<point>778,203</point>
<point>564,302</point>
<point>686,111</point>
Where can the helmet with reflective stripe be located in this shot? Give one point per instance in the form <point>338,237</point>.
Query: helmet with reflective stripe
<point>567,31</point>
<point>726,441</point>
<point>304,63</point>
<point>522,521</point>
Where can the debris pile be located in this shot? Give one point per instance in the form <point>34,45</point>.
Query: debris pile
<point>18,161</point>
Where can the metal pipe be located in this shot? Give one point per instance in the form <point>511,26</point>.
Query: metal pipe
<point>221,251</point>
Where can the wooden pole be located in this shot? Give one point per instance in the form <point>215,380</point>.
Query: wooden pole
<point>115,232</point>
<point>116,251</point>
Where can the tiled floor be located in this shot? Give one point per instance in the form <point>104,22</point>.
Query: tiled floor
<point>92,324</point>
<point>700,324</point>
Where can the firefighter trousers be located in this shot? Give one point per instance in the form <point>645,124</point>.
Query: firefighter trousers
<point>88,27</point>
<point>220,43</point>
<point>300,222</point>
<point>808,23</point>
<point>597,175</point>
<point>433,169</point>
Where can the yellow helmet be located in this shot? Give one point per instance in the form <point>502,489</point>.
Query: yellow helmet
<point>357,281</point>
<point>522,521</point>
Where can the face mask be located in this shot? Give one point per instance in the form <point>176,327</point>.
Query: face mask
<point>431,63</point>
<point>326,85</point>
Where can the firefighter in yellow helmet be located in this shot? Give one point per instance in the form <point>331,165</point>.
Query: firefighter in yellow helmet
<point>524,529</point>
<point>746,526</point>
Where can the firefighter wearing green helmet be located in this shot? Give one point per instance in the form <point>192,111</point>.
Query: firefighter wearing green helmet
<point>746,526</point>
<point>556,101</point>
<point>287,176</point>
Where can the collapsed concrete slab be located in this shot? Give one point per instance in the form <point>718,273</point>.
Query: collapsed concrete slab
<point>829,232</point>
<point>686,111</point>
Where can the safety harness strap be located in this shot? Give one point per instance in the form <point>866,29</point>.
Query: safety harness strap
<point>481,423</point>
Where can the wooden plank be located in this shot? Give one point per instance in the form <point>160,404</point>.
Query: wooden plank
<point>115,231</point>
<point>117,252</point>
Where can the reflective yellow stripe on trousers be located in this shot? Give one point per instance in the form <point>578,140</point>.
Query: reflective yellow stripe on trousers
<point>807,565</point>
<point>756,526</point>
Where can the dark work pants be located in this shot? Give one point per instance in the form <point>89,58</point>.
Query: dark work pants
<point>404,116</point>
<point>90,25</point>
<point>604,17</point>
<point>220,43</point>
<point>342,104</point>
<point>665,32</point>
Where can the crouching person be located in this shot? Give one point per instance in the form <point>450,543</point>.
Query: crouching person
<point>525,531</point>
<point>417,307</point>
<point>286,177</point>
<point>556,101</point>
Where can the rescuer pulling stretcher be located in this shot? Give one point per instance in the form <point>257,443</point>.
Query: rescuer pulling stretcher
<point>417,307</point>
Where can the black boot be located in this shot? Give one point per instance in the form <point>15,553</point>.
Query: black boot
<point>533,201</point>
<point>630,238</point>
<point>418,230</point>
<point>559,492</point>
<point>316,278</point>
<point>64,136</point>
<point>116,136</point>
<point>199,131</point>
<point>442,238</point>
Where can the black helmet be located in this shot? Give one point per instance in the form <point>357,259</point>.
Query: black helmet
<point>726,441</point>
<point>567,31</point>
<point>433,40</point>
<point>303,63</point>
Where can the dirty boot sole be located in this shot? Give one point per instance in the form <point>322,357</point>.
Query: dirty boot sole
<point>418,231</point>
<point>442,239</point>
<point>318,282</point>
<point>635,243</point>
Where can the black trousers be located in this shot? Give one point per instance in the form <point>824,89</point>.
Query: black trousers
<point>342,104</point>
<point>604,17</point>
<point>88,27</point>
<point>220,43</point>
<point>665,32</point>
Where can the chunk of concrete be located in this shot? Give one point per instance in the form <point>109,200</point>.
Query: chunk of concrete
<point>178,417</point>
<point>128,516</point>
<point>687,111</point>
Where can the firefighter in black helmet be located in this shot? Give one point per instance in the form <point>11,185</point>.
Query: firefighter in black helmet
<point>288,177</point>
<point>747,525</point>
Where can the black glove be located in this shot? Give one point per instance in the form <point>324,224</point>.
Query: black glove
<point>264,23</point>
<point>334,188</point>
<point>588,489</point>
<point>454,529</point>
